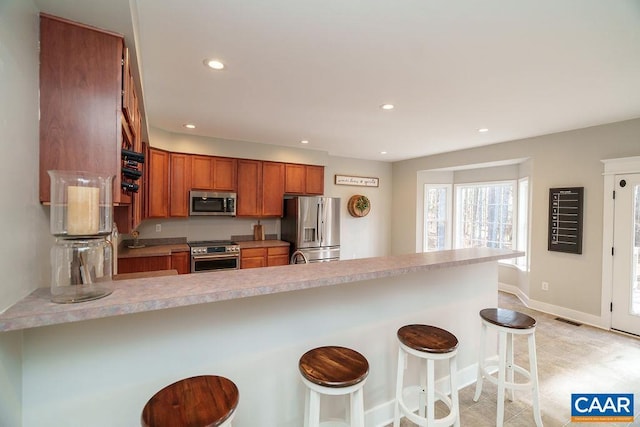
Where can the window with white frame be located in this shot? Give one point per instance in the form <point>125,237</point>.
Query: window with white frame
<point>485,215</point>
<point>437,217</point>
<point>523,223</point>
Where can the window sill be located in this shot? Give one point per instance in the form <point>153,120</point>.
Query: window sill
<point>514,266</point>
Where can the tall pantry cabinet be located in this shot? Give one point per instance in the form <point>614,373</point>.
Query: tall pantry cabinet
<point>83,123</point>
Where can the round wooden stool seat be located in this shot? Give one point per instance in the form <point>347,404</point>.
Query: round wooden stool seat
<point>508,318</point>
<point>333,366</point>
<point>202,401</point>
<point>333,371</point>
<point>429,339</point>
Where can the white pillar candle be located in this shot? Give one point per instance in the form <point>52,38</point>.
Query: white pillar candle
<point>83,210</point>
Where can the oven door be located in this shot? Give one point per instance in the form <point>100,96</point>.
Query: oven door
<point>204,263</point>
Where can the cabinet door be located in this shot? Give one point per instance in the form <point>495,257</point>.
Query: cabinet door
<point>202,172</point>
<point>181,261</point>
<point>224,174</point>
<point>272,188</point>
<point>249,194</point>
<point>179,184</point>
<point>314,178</point>
<point>253,258</point>
<point>80,101</point>
<point>294,179</point>
<point>278,255</point>
<point>147,263</point>
<point>158,184</point>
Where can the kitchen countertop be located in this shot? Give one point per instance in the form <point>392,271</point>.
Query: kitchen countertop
<point>141,295</point>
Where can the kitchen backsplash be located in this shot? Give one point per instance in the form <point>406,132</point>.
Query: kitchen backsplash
<point>207,228</point>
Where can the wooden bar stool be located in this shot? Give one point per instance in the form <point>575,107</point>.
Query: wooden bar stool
<point>430,344</point>
<point>203,401</point>
<point>508,323</point>
<point>333,371</point>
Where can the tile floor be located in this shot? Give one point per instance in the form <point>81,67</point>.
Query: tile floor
<point>571,359</point>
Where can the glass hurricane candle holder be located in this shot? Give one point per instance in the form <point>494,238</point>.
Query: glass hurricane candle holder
<point>81,204</point>
<point>81,269</point>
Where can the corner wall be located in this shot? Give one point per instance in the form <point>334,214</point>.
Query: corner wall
<point>24,259</point>
<point>564,159</point>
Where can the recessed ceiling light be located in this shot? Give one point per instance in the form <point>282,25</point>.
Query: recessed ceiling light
<point>383,152</point>
<point>304,141</point>
<point>387,106</point>
<point>483,130</point>
<point>189,125</point>
<point>214,63</point>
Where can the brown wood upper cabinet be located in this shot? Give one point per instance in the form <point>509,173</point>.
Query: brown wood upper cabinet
<point>304,179</point>
<point>89,109</point>
<point>79,122</point>
<point>157,183</point>
<point>180,167</point>
<point>260,188</point>
<point>213,173</point>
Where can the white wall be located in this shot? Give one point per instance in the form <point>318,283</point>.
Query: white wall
<point>360,237</point>
<point>24,227</point>
<point>564,159</point>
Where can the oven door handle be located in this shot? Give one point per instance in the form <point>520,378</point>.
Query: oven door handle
<point>206,257</point>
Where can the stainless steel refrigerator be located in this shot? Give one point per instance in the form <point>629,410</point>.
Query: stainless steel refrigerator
<point>312,226</point>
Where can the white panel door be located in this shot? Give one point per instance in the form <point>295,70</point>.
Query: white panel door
<point>625,314</point>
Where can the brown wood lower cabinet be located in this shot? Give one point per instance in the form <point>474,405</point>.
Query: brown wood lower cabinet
<point>253,257</point>
<point>264,257</point>
<point>180,261</point>
<point>278,255</point>
<point>145,263</point>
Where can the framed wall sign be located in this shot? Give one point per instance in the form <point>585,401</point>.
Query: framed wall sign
<point>565,219</point>
<point>361,181</point>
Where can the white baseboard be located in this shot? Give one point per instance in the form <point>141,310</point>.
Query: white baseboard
<point>382,415</point>
<point>555,310</point>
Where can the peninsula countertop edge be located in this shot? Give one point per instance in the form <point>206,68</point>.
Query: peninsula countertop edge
<point>158,293</point>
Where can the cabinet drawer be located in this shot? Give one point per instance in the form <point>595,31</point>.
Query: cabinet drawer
<point>278,250</point>
<point>253,252</point>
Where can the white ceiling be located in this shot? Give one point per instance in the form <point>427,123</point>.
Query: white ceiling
<point>319,69</point>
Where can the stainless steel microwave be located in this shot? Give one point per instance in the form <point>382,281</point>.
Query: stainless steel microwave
<point>212,203</point>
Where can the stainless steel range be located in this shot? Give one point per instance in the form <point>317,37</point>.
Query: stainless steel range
<point>209,255</point>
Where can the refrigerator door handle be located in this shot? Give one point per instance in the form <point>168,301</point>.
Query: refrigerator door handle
<point>318,229</point>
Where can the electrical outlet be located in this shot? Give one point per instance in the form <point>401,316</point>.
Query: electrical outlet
<point>545,286</point>
<point>158,228</point>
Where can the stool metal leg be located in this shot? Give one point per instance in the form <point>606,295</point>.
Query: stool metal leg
<point>307,398</point>
<point>455,404</point>
<point>502,365</point>
<point>357,409</point>
<point>399,386</point>
<point>483,337</point>
<point>533,369</point>
<point>511,395</point>
<point>313,416</point>
<point>430,393</point>
<point>422,395</point>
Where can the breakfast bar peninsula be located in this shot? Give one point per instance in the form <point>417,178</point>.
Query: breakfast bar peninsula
<point>96,363</point>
